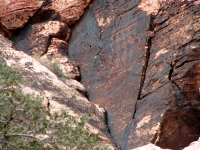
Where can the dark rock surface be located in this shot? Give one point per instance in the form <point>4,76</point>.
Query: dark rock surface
<point>174,61</point>
<point>143,68</point>
<point>108,51</point>
<point>37,38</point>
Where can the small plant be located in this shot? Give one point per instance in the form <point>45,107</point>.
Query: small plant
<point>54,67</point>
<point>25,124</point>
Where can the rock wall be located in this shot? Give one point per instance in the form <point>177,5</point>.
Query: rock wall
<point>140,61</point>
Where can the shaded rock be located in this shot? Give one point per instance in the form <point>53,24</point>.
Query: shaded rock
<point>4,31</point>
<point>57,49</point>
<point>48,40</point>
<point>138,59</point>
<point>46,35</point>
<point>67,11</point>
<point>41,81</point>
<point>36,39</point>
<point>110,51</point>
<point>143,69</point>
<point>15,13</point>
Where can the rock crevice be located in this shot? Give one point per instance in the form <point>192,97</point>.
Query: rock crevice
<point>149,35</point>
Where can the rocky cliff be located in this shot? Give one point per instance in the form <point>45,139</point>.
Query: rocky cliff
<point>138,59</point>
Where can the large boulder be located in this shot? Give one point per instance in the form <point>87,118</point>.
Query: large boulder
<point>47,33</point>
<point>67,11</point>
<point>140,60</point>
<point>16,13</point>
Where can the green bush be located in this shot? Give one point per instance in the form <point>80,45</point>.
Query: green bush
<point>26,124</point>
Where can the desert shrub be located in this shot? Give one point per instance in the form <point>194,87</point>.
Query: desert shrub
<point>25,123</point>
<point>52,66</point>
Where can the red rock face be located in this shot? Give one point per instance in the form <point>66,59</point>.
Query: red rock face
<point>15,13</point>
<point>139,60</point>
<point>57,52</point>
<point>143,68</point>
<point>67,11</point>
<point>175,60</point>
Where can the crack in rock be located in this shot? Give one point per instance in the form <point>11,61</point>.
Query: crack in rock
<point>149,36</point>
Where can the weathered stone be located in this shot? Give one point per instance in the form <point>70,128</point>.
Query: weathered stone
<point>61,94</point>
<point>139,60</point>
<point>57,49</point>
<point>193,146</point>
<point>77,86</point>
<point>142,68</point>
<point>16,13</point>
<point>149,147</point>
<point>57,53</point>
<point>174,60</point>
<point>110,46</point>
<point>36,39</point>
<point>67,11</point>
<point>48,40</point>
<point>4,31</point>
